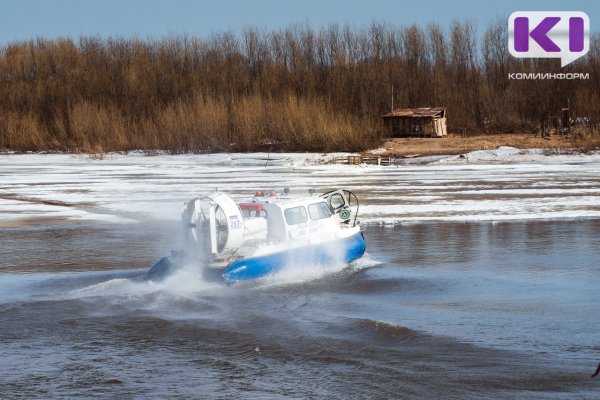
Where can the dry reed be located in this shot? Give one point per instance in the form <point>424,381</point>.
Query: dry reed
<point>297,89</point>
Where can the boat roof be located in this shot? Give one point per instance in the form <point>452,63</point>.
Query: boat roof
<point>285,201</point>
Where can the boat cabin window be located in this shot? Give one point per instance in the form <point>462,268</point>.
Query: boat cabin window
<point>337,201</point>
<point>319,211</point>
<point>296,215</point>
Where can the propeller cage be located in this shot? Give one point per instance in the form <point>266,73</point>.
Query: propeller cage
<point>214,225</point>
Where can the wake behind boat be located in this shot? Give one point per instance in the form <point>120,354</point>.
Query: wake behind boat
<point>257,238</point>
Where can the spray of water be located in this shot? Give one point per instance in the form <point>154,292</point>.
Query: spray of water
<point>186,281</point>
<point>298,272</point>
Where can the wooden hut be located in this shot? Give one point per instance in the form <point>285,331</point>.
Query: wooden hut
<point>427,122</point>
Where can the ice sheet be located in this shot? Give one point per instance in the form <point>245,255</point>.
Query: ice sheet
<point>500,184</point>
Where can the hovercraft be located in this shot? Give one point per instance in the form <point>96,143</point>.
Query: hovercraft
<point>256,238</point>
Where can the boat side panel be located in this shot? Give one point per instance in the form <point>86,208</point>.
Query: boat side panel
<point>343,250</point>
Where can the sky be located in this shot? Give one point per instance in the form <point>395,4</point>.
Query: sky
<point>29,19</point>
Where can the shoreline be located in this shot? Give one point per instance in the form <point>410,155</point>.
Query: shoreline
<point>405,147</point>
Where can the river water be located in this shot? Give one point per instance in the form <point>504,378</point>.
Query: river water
<point>480,281</point>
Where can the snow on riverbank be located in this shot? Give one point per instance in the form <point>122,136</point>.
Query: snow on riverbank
<point>501,184</point>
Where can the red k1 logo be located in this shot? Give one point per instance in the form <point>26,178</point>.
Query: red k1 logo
<point>549,34</point>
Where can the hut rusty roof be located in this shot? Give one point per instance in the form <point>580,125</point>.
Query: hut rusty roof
<point>424,112</point>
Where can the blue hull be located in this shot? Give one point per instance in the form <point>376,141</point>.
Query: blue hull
<point>343,250</point>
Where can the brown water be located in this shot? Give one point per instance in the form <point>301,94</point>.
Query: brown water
<point>434,310</point>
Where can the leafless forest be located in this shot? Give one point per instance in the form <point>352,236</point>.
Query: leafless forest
<point>296,89</point>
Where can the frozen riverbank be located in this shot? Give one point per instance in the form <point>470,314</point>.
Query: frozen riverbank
<point>494,185</point>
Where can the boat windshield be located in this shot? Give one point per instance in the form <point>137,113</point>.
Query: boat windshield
<point>319,211</point>
<point>337,201</point>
